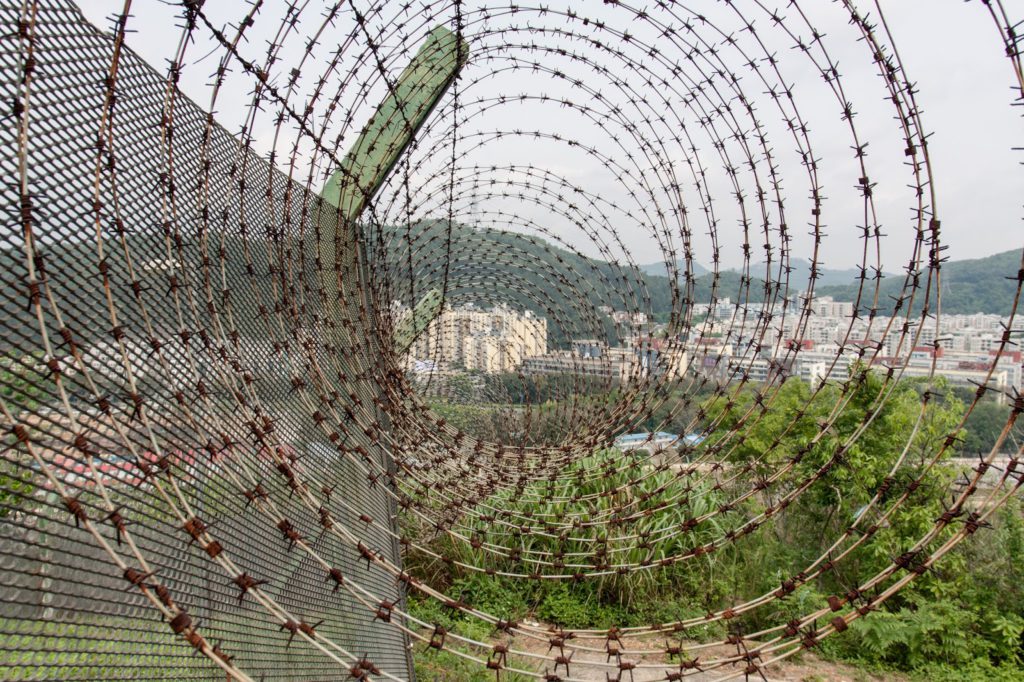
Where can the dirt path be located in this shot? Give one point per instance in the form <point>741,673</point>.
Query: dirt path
<point>598,666</point>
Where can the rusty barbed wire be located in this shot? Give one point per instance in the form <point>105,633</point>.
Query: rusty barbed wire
<point>227,352</point>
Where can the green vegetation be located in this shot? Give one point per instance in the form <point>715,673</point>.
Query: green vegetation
<point>963,620</point>
<point>985,424</point>
<point>432,664</point>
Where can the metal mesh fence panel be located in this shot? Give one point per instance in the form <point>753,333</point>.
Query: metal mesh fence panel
<point>156,282</point>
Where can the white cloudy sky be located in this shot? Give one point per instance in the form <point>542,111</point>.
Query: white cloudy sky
<point>950,48</point>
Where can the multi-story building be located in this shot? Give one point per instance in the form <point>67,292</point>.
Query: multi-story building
<point>642,357</point>
<point>490,340</point>
<point>733,341</point>
<point>823,345</point>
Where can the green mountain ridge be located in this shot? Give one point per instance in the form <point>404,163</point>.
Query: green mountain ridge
<point>975,285</point>
<point>800,270</point>
<point>524,270</point>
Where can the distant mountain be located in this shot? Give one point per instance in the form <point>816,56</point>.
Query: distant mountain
<point>529,272</point>
<point>801,271</point>
<point>801,274</point>
<point>978,285</point>
<point>982,285</point>
<point>661,269</point>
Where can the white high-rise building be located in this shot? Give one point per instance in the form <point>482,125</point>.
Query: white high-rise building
<point>491,340</point>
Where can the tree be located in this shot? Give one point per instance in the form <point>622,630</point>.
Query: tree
<point>984,425</point>
<point>775,435</point>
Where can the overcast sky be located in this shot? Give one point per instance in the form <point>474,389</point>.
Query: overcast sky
<point>950,48</point>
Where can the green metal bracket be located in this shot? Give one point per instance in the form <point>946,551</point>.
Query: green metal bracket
<point>381,144</point>
<point>421,316</point>
<point>395,123</point>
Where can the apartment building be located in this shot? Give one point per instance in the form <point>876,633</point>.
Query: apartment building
<point>491,340</point>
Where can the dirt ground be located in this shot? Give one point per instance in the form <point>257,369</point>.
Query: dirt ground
<point>597,666</point>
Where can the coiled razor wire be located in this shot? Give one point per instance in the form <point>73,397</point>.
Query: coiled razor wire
<point>210,416</point>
